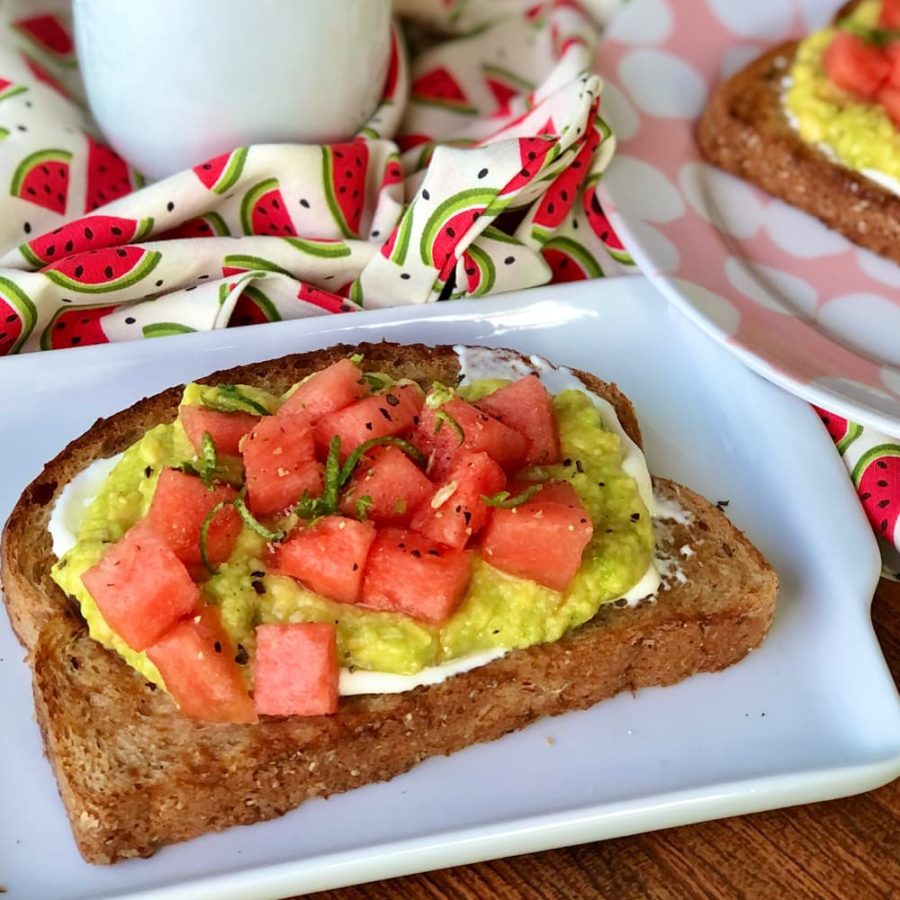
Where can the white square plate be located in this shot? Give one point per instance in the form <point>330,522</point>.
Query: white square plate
<point>811,715</point>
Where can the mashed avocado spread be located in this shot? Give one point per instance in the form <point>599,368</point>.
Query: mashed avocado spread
<point>497,611</point>
<point>860,134</point>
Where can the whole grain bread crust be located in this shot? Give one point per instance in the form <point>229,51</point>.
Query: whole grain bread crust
<point>134,774</point>
<point>744,130</point>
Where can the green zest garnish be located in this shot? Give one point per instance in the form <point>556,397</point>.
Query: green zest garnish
<point>363,505</point>
<point>254,524</point>
<point>354,458</point>
<point>880,37</point>
<point>503,500</point>
<point>231,399</point>
<point>357,358</point>
<point>376,382</point>
<point>204,535</point>
<point>210,459</point>
<point>438,396</point>
<point>440,417</point>
<point>332,474</point>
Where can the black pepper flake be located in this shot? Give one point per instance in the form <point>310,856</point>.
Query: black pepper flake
<point>601,484</point>
<point>368,426</point>
<point>241,657</point>
<point>355,567</point>
<point>434,552</point>
<point>392,399</point>
<point>385,413</point>
<point>458,508</point>
<point>151,686</point>
<point>467,516</point>
<point>415,553</point>
<point>567,461</point>
<point>217,646</point>
<point>579,467</point>
<point>583,521</point>
<point>256,573</point>
<point>721,504</point>
<point>73,662</point>
<point>148,471</point>
<point>258,586</point>
<point>635,517</point>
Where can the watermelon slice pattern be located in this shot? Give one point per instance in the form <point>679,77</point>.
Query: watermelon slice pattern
<point>222,173</point>
<point>18,316</point>
<point>103,271</point>
<point>252,308</point>
<point>437,87</point>
<point>76,326</point>
<point>49,35</point>
<point>210,224</point>
<point>42,178</point>
<point>344,171</point>
<point>877,479</point>
<point>109,177</point>
<point>87,233</point>
<point>263,210</point>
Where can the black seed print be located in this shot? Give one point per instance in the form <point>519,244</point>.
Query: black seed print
<point>108,271</point>
<point>405,276</point>
<point>130,320</point>
<point>509,260</point>
<point>482,173</point>
<point>27,227</point>
<point>170,206</point>
<point>425,194</point>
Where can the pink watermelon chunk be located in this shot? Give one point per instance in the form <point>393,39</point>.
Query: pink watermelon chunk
<point>877,479</point>
<point>253,308</point>
<point>77,326</point>
<point>48,33</point>
<point>108,176</point>
<point>438,87</point>
<point>344,169</point>
<point>263,210</point>
<point>42,178</point>
<point>602,228</point>
<point>44,76</point>
<point>532,152</point>
<point>221,173</point>
<point>570,261</point>
<point>88,233</point>
<point>210,224</point>
<point>100,271</point>
<point>560,197</point>
<point>321,298</point>
<point>18,316</point>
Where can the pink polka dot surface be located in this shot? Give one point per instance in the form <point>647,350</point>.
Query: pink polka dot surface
<point>795,300</point>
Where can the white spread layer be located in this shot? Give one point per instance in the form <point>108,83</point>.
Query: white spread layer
<point>476,363</point>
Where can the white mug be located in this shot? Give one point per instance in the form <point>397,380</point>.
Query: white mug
<point>172,83</point>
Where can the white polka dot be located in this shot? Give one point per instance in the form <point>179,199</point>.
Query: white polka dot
<point>662,84</point>
<point>879,268</point>
<point>736,58</point>
<point>800,234</point>
<point>713,307</point>
<point>766,20</point>
<point>772,288</point>
<point>648,22</point>
<point>891,379</point>
<point>816,14</point>
<point>727,202</point>
<point>623,118</point>
<point>660,255</point>
<point>866,322</point>
<point>640,189</point>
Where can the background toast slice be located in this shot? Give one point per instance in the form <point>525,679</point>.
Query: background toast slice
<point>134,774</point>
<point>745,131</point>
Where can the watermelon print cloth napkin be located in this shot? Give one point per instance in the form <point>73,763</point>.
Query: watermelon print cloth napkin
<point>475,175</point>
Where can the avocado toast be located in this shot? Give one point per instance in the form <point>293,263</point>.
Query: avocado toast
<point>127,760</point>
<point>755,122</point>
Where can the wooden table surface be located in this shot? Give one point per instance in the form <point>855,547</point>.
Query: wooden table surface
<point>844,849</point>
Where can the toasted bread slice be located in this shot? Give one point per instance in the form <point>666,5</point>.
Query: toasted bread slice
<point>745,131</point>
<point>135,774</point>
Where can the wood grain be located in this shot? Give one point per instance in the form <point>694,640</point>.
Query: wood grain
<point>841,849</point>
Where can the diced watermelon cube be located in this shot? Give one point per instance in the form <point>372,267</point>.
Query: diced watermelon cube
<point>395,485</point>
<point>334,388</point>
<point>542,539</point>
<point>892,51</point>
<point>460,512</point>
<point>390,413</point>
<point>141,587</point>
<point>856,66</point>
<point>180,504</point>
<point>526,407</point>
<point>226,429</point>
<point>280,463</point>
<point>197,662</point>
<point>440,441</point>
<point>889,98</point>
<point>328,556</point>
<point>296,669</point>
<point>408,573</point>
<point>889,17</point>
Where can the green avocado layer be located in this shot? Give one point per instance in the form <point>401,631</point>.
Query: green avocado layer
<point>497,611</point>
